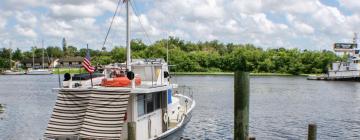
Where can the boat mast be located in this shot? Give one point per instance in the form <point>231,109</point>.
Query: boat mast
<point>33,59</point>
<point>10,45</point>
<point>128,46</point>
<point>167,51</point>
<point>128,50</point>
<point>42,44</point>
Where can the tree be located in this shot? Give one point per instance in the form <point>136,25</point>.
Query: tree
<point>71,51</point>
<point>17,55</point>
<point>54,51</point>
<point>64,45</point>
<point>118,54</point>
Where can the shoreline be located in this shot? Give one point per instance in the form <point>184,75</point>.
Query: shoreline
<point>232,73</point>
<point>1,108</point>
<point>77,71</point>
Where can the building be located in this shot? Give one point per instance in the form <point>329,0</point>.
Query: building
<point>36,63</point>
<point>71,62</point>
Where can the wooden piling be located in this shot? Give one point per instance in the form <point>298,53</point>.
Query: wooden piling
<point>312,132</point>
<point>251,138</point>
<point>241,105</point>
<point>131,130</point>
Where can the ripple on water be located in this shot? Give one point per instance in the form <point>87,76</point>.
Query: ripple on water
<point>280,107</point>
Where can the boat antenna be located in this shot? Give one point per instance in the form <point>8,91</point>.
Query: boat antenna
<point>355,38</point>
<point>167,51</point>
<point>10,45</point>
<point>42,45</point>
<point>33,54</point>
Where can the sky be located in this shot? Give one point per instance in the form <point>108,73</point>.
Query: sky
<point>303,24</point>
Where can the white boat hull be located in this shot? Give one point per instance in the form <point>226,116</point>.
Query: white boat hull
<point>187,117</point>
<point>13,73</point>
<point>39,72</point>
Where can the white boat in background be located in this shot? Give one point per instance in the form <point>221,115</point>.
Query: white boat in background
<point>134,101</point>
<point>12,72</point>
<point>348,70</point>
<point>39,72</point>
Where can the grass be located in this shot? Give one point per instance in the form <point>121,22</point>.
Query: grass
<point>68,70</point>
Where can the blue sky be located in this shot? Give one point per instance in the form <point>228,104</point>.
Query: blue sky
<point>305,24</point>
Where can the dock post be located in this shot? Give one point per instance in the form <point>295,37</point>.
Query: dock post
<point>241,105</point>
<point>312,132</point>
<point>131,130</point>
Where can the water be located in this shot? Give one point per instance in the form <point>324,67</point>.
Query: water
<point>280,107</point>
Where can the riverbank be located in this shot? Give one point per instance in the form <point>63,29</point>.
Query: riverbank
<point>77,71</point>
<point>1,108</point>
<point>68,70</point>
<point>232,73</point>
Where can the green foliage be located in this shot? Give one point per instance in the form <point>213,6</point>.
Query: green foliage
<point>209,56</point>
<point>17,55</point>
<point>118,54</point>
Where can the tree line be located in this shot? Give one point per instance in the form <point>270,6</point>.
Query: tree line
<point>209,56</point>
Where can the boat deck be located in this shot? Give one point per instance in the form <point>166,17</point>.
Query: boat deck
<point>145,87</point>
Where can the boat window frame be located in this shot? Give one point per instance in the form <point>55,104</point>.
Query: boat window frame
<point>153,98</point>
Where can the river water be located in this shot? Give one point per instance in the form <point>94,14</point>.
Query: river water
<point>280,107</point>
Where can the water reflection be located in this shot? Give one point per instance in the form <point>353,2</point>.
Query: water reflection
<point>280,107</point>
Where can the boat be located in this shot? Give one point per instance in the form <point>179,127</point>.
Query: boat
<point>150,109</point>
<point>12,72</point>
<point>348,70</point>
<point>39,71</point>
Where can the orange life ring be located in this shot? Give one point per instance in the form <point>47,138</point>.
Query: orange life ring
<point>119,82</point>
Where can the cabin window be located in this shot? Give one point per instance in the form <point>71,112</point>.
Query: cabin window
<point>141,105</point>
<point>157,99</point>
<point>147,103</point>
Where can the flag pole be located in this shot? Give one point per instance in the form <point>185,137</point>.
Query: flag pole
<point>87,47</point>
<point>91,80</point>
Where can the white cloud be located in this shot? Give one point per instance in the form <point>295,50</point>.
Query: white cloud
<point>266,23</point>
<point>3,22</point>
<point>299,26</point>
<point>353,5</point>
<point>210,9</point>
<point>75,11</point>
<point>25,31</point>
<point>26,18</point>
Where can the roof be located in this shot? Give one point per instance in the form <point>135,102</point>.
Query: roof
<point>71,59</point>
<point>36,60</point>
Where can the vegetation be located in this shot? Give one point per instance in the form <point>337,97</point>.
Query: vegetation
<point>1,108</point>
<point>210,56</point>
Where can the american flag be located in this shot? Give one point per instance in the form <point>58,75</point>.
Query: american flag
<point>87,64</point>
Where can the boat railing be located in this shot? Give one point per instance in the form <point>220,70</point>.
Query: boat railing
<point>187,91</point>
